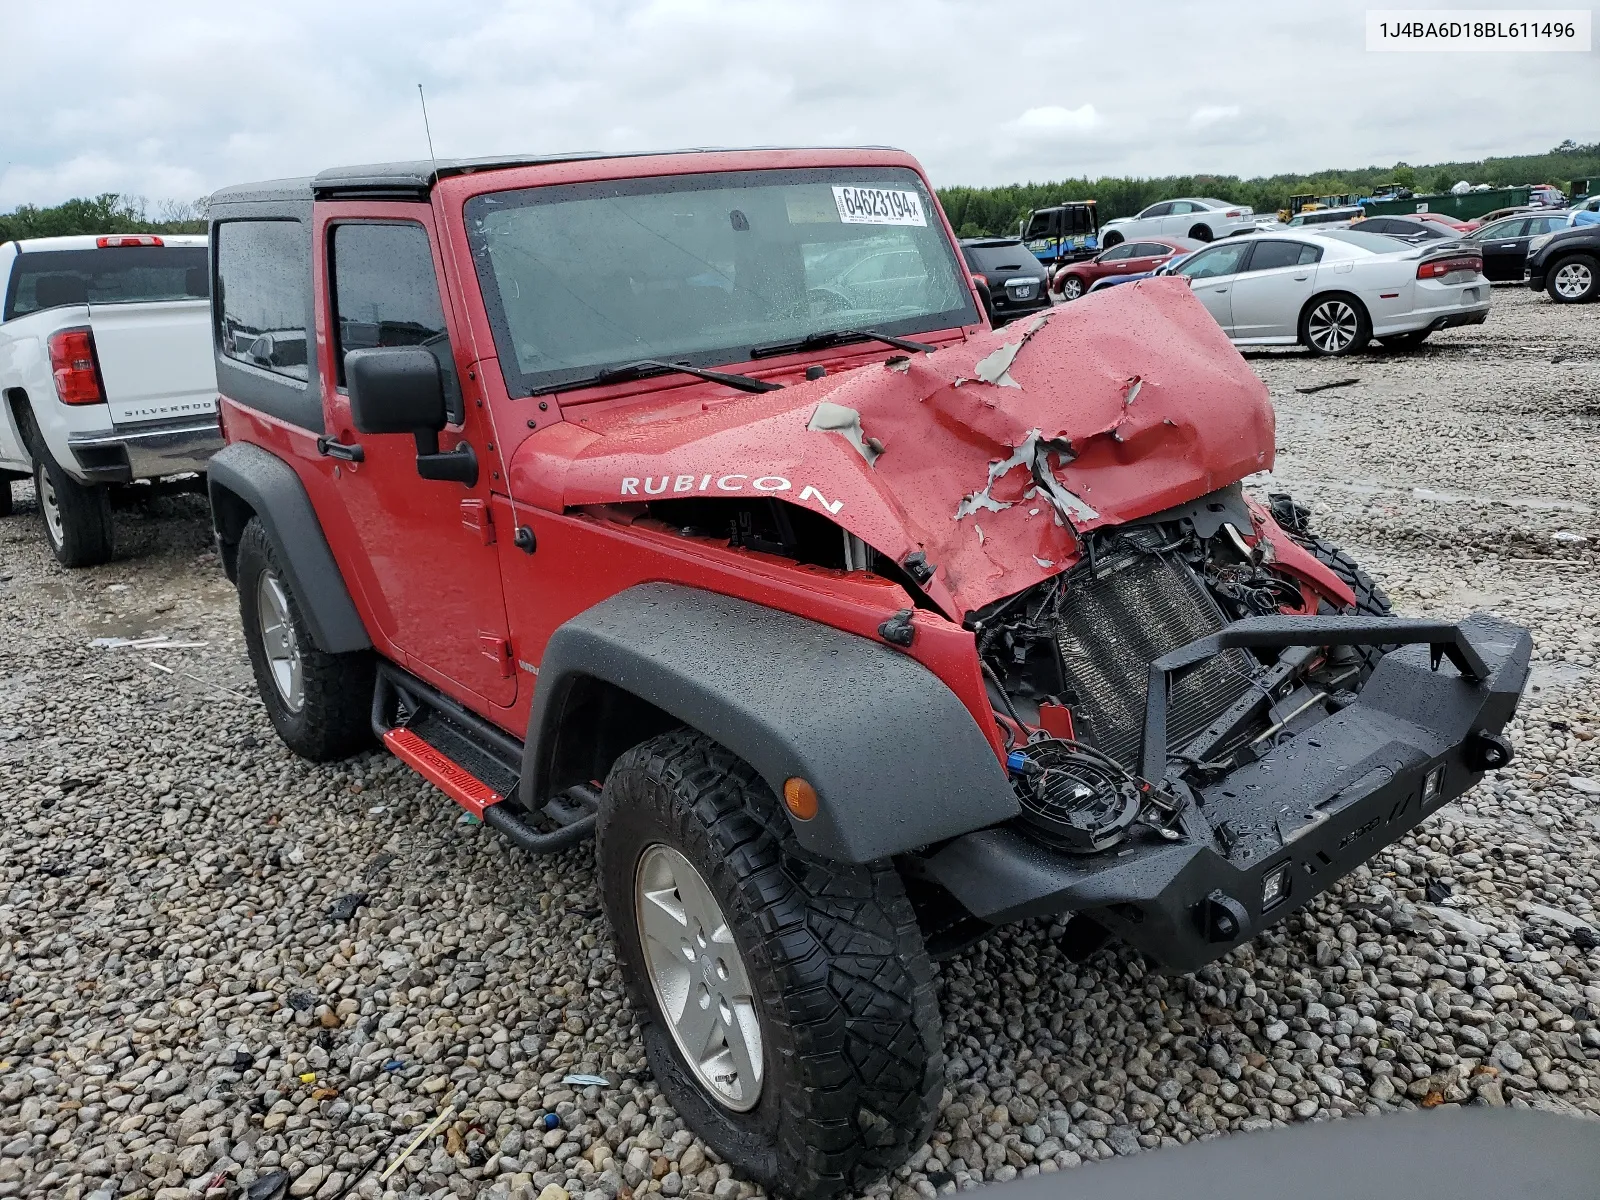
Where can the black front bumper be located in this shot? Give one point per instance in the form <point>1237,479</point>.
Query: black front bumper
<point>1320,803</point>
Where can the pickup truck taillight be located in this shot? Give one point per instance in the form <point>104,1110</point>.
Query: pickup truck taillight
<point>1443,266</point>
<point>77,371</point>
<point>127,239</point>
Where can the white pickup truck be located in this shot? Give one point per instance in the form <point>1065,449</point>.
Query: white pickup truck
<point>106,375</point>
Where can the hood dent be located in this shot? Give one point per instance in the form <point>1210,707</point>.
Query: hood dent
<point>1100,412</point>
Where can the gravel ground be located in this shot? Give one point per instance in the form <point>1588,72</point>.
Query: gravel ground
<point>189,1007</point>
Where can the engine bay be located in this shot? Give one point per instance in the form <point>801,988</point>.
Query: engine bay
<point>1068,663</point>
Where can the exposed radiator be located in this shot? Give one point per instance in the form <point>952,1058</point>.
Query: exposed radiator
<point>1115,626</point>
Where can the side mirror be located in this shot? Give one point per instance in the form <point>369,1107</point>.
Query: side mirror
<point>398,389</point>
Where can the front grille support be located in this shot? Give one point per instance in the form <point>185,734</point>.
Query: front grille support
<point>1260,633</point>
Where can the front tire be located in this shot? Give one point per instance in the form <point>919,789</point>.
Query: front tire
<point>77,517</point>
<point>1071,287</point>
<point>817,968</point>
<point>1574,279</point>
<point>1334,325</point>
<point>319,703</point>
<point>5,497</point>
<point>1110,240</point>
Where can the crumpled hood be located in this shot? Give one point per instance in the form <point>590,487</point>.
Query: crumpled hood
<point>984,456</point>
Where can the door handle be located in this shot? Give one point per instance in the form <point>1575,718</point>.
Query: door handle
<point>1298,278</point>
<point>1219,290</point>
<point>347,452</point>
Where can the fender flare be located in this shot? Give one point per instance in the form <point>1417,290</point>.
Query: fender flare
<point>245,481</point>
<point>896,759</point>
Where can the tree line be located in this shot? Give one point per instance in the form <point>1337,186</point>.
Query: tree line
<point>109,212</point>
<point>974,211</point>
<point>997,211</point>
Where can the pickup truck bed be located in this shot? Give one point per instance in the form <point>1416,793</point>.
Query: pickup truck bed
<point>106,372</point>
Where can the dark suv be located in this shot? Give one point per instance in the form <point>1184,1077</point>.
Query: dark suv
<point>1566,264</point>
<point>688,501</point>
<point>1017,281</point>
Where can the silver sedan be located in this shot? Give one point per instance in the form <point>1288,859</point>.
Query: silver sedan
<point>1334,291</point>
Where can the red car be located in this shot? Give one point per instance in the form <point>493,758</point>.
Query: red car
<point>689,502</point>
<point>1451,223</point>
<point>1128,258</point>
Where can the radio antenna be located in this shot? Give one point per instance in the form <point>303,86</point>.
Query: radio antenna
<point>433,158</point>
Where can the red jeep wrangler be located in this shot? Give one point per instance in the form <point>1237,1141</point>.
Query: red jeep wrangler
<point>687,500</point>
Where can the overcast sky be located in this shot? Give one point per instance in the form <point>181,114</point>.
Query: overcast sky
<point>170,100</point>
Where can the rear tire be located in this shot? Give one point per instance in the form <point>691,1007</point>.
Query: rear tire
<point>1573,279</point>
<point>1335,325</point>
<point>77,517</point>
<point>1200,233</point>
<point>1405,341</point>
<point>320,703</point>
<point>826,964</point>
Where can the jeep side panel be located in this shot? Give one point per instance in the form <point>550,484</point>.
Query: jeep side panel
<point>245,480</point>
<point>896,759</point>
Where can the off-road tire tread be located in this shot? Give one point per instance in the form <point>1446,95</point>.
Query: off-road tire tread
<point>840,954</point>
<point>336,720</point>
<point>1370,598</point>
<point>5,498</point>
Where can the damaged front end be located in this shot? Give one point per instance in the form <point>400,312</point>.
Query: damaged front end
<point>1200,741</point>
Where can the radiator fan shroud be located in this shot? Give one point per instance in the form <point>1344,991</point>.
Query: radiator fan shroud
<point>1073,801</point>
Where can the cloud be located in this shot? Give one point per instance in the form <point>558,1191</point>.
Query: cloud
<point>1211,114</point>
<point>1053,119</point>
<point>188,98</point>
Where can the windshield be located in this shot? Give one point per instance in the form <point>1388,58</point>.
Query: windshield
<point>44,279</point>
<point>999,257</point>
<point>705,268</point>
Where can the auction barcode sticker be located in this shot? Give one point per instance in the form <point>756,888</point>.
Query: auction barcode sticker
<point>878,206</point>
<point>1482,30</point>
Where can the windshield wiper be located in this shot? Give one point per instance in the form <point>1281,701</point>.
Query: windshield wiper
<point>838,337</point>
<point>647,367</point>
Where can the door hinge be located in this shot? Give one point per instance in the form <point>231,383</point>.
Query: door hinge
<point>477,520</point>
<point>499,650</point>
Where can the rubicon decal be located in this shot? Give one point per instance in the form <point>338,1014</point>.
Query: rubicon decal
<point>650,485</point>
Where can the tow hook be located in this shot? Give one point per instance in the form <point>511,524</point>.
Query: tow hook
<point>1488,751</point>
<point>1222,918</point>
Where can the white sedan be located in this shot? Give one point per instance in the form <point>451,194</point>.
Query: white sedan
<point>1194,217</point>
<point>1334,291</point>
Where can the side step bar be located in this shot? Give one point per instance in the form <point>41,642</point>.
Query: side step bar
<point>472,762</point>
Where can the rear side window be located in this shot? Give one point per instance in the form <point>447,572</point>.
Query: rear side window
<point>385,293</point>
<point>1270,255</point>
<point>1148,250</point>
<point>44,279</point>
<point>262,272</point>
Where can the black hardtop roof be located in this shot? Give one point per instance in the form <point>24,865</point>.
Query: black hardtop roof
<point>416,178</point>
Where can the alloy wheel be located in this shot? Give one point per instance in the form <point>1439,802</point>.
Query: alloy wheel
<point>1573,280</point>
<point>699,977</point>
<point>49,505</point>
<point>278,641</point>
<point>1332,326</point>
<point>1071,289</point>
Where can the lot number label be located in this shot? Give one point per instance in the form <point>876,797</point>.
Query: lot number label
<point>878,206</point>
